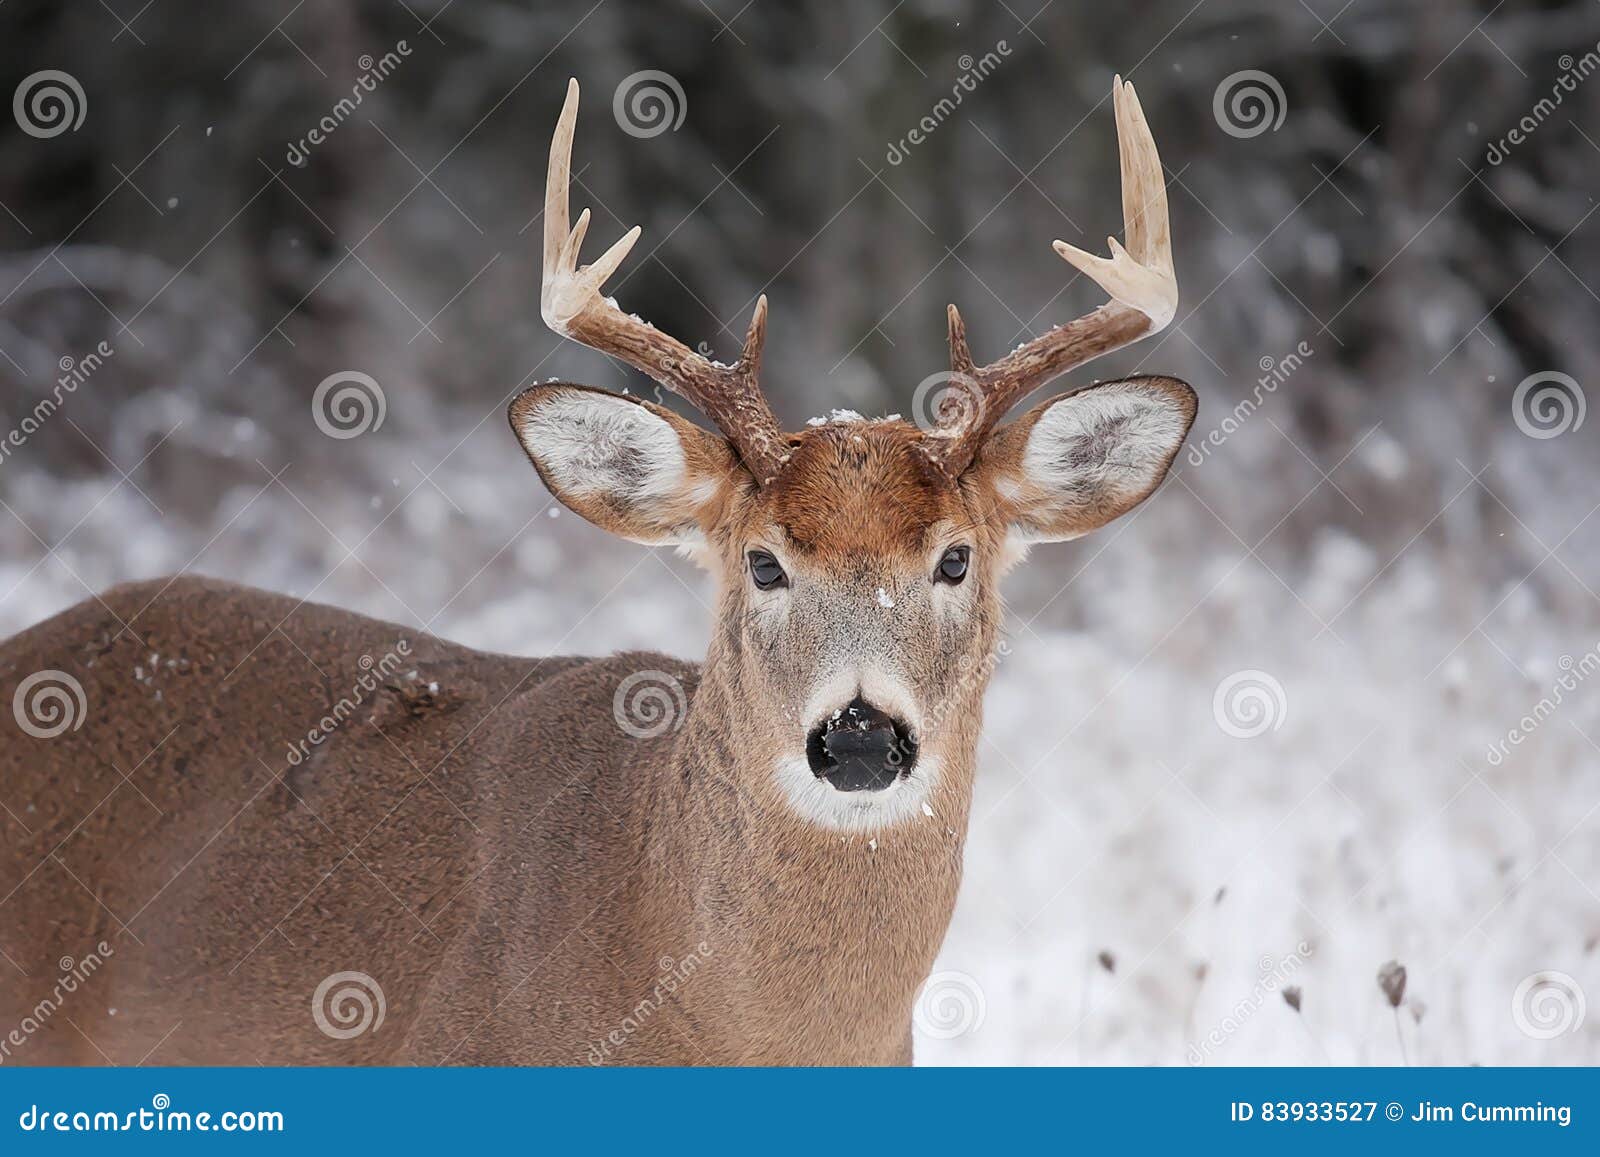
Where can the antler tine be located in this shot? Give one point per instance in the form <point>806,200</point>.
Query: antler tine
<point>1144,185</point>
<point>960,352</point>
<point>571,303</point>
<point>1139,279</point>
<point>557,178</point>
<point>1140,275</point>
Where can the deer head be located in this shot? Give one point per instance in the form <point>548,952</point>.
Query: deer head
<point>858,562</point>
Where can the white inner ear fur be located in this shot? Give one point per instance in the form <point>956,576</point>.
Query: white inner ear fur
<point>1101,449</point>
<point>592,444</point>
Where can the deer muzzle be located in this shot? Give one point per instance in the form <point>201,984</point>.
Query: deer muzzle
<point>861,748</point>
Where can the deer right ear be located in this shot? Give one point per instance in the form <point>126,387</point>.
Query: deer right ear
<point>1072,464</point>
<point>630,467</point>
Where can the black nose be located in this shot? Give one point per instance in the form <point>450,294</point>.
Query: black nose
<point>859,748</point>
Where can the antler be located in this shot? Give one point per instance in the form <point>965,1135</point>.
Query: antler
<point>1139,278</point>
<point>572,305</point>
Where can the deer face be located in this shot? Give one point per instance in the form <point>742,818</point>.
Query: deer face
<point>858,591</point>
<point>860,601</point>
<point>859,561</point>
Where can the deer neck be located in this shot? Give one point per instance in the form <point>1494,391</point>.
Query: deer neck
<point>815,940</point>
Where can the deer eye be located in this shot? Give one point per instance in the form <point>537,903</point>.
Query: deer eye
<point>953,566</point>
<point>765,570</point>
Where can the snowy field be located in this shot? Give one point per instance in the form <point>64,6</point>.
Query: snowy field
<point>1380,567</point>
<point>1114,815</point>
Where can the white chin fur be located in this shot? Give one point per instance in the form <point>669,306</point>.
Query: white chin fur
<point>823,804</point>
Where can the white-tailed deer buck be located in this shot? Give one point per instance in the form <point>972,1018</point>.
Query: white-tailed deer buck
<point>280,847</point>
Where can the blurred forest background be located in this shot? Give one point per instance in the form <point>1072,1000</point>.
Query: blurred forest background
<point>1390,536</point>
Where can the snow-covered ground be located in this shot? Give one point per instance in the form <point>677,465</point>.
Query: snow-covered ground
<point>1142,885</point>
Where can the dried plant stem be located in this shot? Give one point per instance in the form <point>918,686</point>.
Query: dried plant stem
<point>1083,1007</point>
<point>1191,1029</point>
<point>1316,1040</point>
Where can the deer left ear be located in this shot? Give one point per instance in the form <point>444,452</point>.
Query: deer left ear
<point>1074,463</point>
<point>628,466</point>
